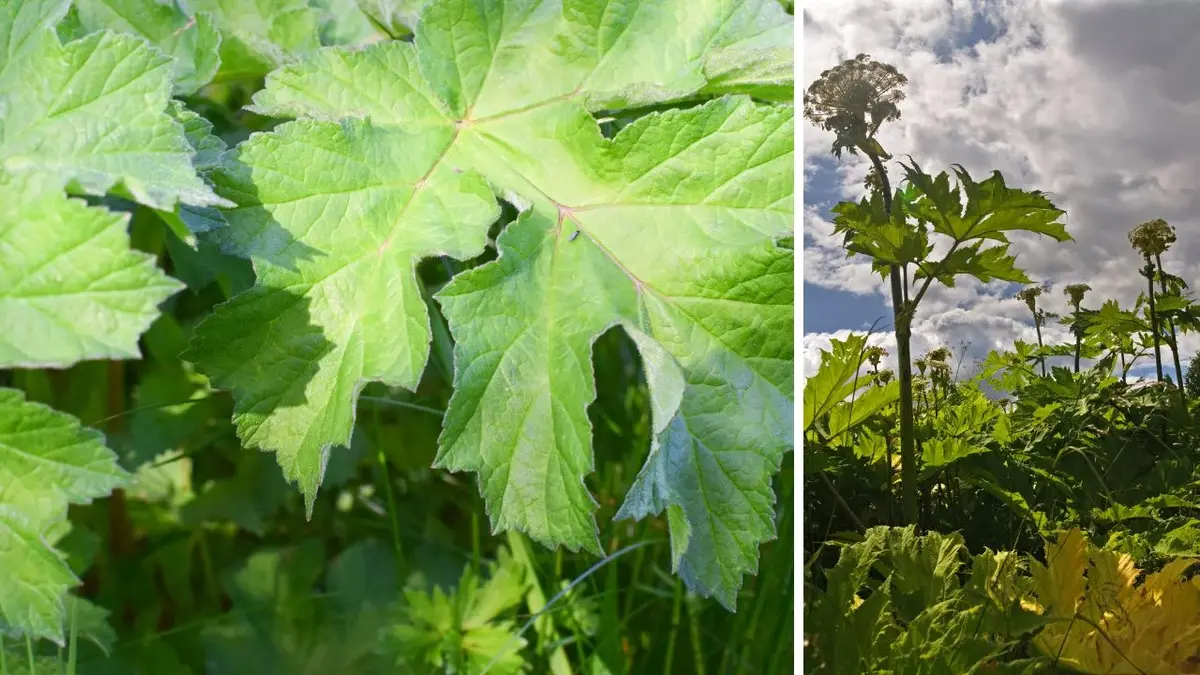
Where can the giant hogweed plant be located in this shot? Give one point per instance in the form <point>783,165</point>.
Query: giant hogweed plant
<point>676,230</point>
<point>971,216</point>
<point>975,219</point>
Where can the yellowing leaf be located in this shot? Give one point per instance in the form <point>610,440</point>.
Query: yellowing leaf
<point>1108,624</point>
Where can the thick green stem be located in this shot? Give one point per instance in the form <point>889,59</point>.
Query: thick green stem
<point>902,320</point>
<point>1037,325</point>
<point>1162,284</point>
<point>1148,272</point>
<point>1077,331</point>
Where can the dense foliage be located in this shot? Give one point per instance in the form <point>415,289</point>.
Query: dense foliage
<point>396,336</point>
<point>1013,536</point>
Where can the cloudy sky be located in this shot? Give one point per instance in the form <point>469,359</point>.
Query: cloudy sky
<point>1095,102</point>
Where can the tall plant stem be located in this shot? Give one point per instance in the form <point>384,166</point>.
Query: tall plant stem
<point>1162,284</point>
<point>1037,325</point>
<point>902,326</point>
<point>1148,272</point>
<point>1077,331</point>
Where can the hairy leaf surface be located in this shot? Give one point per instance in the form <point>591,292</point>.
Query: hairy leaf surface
<point>669,229</point>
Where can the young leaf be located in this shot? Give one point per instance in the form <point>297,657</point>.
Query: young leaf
<point>466,629</point>
<point>680,213</point>
<point>47,461</point>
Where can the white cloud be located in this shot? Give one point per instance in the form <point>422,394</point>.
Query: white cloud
<point>1093,102</point>
<point>825,261</point>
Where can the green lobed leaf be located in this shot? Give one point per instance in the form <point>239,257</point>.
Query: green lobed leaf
<point>27,32</point>
<point>47,461</point>
<point>838,378</point>
<point>189,219</point>
<point>677,219</point>
<point>344,23</point>
<point>848,415</point>
<point>991,210</point>
<point>90,117</point>
<point>985,264</point>
<point>887,240</point>
<point>191,42</point>
<point>93,115</point>
<point>281,623</point>
<point>339,305</point>
<point>70,287</point>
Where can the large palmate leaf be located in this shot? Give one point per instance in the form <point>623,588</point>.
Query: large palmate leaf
<point>89,116</point>
<point>47,461</point>
<point>973,215</point>
<point>668,229</point>
<point>991,208</point>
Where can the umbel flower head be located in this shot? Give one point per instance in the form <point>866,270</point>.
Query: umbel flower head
<point>1152,237</point>
<point>853,99</point>
<point>939,355</point>
<point>1030,296</point>
<point>939,372</point>
<point>874,353</point>
<point>1075,292</point>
